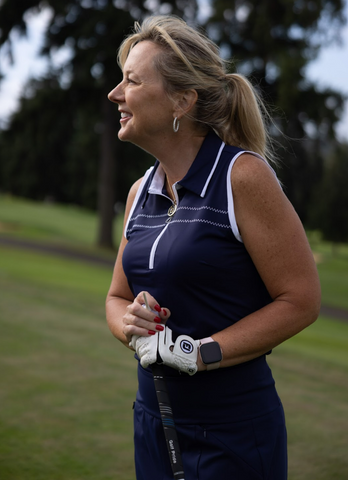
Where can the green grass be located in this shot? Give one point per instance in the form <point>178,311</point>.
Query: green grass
<point>332,261</point>
<point>333,272</point>
<point>311,376</point>
<point>46,221</point>
<point>61,225</point>
<point>50,271</point>
<point>67,386</point>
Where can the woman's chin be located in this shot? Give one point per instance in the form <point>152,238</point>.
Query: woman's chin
<point>122,135</point>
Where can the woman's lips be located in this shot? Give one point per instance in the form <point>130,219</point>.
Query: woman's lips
<point>125,116</point>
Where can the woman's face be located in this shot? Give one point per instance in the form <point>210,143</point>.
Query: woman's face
<point>146,110</point>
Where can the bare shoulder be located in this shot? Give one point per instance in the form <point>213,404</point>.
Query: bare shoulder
<point>131,195</point>
<point>134,189</point>
<point>256,191</point>
<point>250,171</point>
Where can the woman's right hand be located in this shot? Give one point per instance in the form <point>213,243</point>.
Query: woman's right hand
<point>142,322</point>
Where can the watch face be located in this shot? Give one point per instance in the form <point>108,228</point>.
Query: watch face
<point>210,353</point>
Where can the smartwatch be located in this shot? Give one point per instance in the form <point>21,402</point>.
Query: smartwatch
<point>210,353</point>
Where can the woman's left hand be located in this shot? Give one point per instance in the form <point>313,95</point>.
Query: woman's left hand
<point>181,354</point>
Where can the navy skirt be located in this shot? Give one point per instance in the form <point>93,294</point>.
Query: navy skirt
<point>248,450</point>
<point>234,443</point>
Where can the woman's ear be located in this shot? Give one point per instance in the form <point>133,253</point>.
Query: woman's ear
<point>185,102</point>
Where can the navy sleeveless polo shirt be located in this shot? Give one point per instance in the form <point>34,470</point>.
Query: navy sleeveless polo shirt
<point>195,264</point>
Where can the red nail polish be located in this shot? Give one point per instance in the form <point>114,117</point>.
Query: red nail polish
<point>157,320</point>
<point>164,312</point>
<point>157,308</point>
<point>151,332</point>
<point>160,328</point>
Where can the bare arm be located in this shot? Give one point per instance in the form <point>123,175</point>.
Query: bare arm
<point>124,313</point>
<point>275,239</point>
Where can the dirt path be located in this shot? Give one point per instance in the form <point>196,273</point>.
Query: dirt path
<point>333,312</point>
<point>56,250</point>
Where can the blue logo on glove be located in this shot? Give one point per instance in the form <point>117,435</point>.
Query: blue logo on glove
<point>186,346</point>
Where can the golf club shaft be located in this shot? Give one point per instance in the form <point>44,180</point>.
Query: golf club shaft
<point>168,421</point>
<point>167,416</point>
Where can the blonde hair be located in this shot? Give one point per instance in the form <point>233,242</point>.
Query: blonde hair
<point>227,103</point>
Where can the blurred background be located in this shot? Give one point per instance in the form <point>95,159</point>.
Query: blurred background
<point>67,387</point>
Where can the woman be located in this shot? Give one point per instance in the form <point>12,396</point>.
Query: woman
<point>219,252</point>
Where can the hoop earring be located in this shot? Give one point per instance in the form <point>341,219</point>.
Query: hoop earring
<point>176,124</point>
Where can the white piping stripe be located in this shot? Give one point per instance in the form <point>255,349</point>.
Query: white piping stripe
<point>140,189</point>
<point>230,201</point>
<point>139,225</point>
<point>193,220</point>
<point>196,209</point>
<point>149,216</point>
<point>154,248</point>
<point>212,170</point>
<point>203,208</point>
<point>201,220</point>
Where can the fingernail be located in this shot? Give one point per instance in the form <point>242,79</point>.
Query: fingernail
<point>164,312</point>
<point>151,332</point>
<point>157,320</point>
<point>160,328</point>
<point>157,308</point>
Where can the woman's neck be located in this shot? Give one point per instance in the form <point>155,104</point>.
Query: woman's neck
<point>177,159</point>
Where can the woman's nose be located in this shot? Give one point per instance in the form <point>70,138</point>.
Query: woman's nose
<point>116,94</point>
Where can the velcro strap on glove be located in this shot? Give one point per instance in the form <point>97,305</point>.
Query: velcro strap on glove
<point>181,354</point>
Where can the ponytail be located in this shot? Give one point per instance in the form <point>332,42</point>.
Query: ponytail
<point>245,125</point>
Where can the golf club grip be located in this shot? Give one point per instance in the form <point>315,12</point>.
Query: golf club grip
<point>168,421</point>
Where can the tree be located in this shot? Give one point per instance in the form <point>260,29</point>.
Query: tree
<point>93,30</point>
<point>330,202</point>
<point>34,170</point>
<point>272,42</point>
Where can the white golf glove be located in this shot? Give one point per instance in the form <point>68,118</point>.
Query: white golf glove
<point>146,348</point>
<point>181,354</point>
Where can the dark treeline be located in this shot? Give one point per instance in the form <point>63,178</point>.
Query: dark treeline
<point>62,143</point>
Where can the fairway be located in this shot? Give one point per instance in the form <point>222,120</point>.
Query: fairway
<point>67,386</point>
<point>311,377</point>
